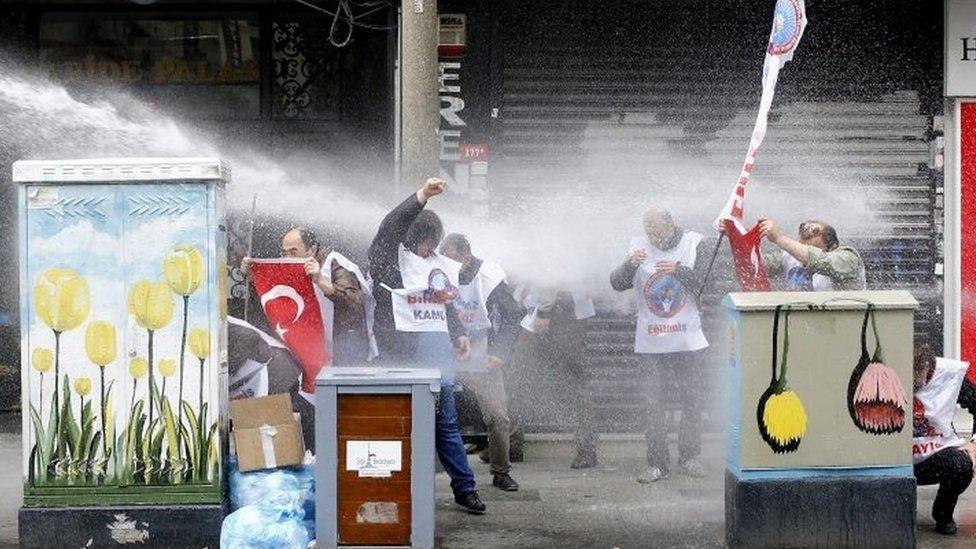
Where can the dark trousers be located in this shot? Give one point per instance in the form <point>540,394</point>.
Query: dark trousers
<point>562,351</point>
<point>680,374</point>
<point>952,470</point>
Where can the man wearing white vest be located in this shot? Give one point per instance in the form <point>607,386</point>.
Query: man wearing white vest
<point>815,261</point>
<point>343,294</point>
<point>666,267</point>
<point>417,323</point>
<point>491,317</point>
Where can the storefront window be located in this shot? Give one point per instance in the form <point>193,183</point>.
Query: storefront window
<point>206,67</point>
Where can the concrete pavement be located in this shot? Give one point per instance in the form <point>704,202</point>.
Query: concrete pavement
<point>558,507</point>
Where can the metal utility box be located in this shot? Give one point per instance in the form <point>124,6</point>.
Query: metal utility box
<point>820,424</point>
<point>123,348</point>
<point>374,446</point>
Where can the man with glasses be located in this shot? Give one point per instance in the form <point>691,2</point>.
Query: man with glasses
<point>815,261</point>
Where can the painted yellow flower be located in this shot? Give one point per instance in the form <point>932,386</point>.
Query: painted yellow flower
<point>138,367</point>
<point>100,342</point>
<point>184,269</point>
<point>83,386</point>
<point>166,366</point>
<point>42,359</point>
<point>62,299</point>
<point>785,418</point>
<point>199,342</point>
<point>151,304</point>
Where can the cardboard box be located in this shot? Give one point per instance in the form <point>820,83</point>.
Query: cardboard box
<point>266,433</point>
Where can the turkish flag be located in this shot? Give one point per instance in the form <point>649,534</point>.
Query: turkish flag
<point>747,256</point>
<point>289,301</point>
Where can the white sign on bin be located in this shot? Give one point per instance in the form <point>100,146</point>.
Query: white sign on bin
<point>374,458</point>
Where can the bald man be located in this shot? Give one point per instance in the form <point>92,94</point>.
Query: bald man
<point>666,265</point>
<point>348,305</point>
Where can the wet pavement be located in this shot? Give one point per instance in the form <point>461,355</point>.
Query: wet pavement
<point>558,507</point>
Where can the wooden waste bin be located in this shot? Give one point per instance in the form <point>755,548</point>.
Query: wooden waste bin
<point>374,442</point>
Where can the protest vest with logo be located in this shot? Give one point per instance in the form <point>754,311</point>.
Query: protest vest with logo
<point>668,320</point>
<point>328,308</point>
<point>934,408</point>
<point>800,279</point>
<point>472,308</point>
<point>429,284</point>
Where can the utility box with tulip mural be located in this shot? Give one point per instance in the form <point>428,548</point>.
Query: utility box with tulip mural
<point>820,422</point>
<point>123,307</point>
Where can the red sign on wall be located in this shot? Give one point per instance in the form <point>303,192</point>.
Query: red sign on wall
<point>473,152</point>
<point>967,264</point>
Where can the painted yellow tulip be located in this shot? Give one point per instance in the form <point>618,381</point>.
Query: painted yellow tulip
<point>138,367</point>
<point>151,304</point>
<point>785,418</point>
<point>100,342</point>
<point>166,366</point>
<point>199,342</point>
<point>62,299</point>
<point>184,269</point>
<point>42,359</point>
<point>83,386</point>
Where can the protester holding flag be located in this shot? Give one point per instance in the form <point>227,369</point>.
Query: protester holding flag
<point>491,318</point>
<point>815,261</point>
<point>666,266</point>
<point>342,293</point>
<point>416,322</point>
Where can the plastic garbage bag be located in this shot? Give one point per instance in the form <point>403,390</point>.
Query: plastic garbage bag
<point>263,527</point>
<point>291,489</point>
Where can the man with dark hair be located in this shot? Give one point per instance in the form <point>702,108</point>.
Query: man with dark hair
<point>491,317</point>
<point>416,321</point>
<point>814,262</point>
<point>348,304</point>
<point>666,266</point>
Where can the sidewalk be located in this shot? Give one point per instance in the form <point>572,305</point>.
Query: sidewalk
<point>560,507</point>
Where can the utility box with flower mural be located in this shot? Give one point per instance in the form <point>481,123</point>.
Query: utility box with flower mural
<point>820,422</point>
<point>123,306</point>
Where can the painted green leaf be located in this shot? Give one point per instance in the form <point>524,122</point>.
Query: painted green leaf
<point>172,437</point>
<point>41,438</point>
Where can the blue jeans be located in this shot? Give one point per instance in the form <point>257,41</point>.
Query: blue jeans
<point>435,350</point>
<point>450,447</point>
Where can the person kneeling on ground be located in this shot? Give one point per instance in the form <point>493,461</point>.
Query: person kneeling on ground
<point>940,456</point>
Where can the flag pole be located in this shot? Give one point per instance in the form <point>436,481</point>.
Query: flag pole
<point>711,263</point>
<point>250,250</point>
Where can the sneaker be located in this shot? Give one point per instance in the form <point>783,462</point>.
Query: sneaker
<point>471,502</point>
<point>652,474</point>
<point>691,468</point>
<point>583,461</point>
<point>946,528</point>
<point>503,481</point>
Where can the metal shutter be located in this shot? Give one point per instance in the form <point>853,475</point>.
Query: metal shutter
<point>642,81</point>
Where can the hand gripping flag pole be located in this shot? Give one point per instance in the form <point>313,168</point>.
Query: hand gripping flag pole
<point>789,21</point>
